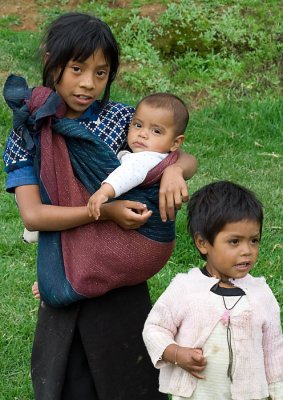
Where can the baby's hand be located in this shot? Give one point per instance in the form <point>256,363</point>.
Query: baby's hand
<point>95,202</point>
<point>35,291</point>
<point>192,360</point>
<point>101,196</point>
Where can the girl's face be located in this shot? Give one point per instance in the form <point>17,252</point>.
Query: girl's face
<point>234,251</point>
<point>82,83</point>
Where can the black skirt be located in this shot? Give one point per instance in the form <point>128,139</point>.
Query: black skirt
<point>93,349</point>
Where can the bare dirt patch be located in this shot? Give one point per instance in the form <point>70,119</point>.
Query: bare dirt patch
<point>26,10</point>
<point>29,12</point>
<point>30,15</point>
<point>152,10</point>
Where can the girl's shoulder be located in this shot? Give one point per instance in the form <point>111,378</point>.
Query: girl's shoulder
<point>115,106</point>
<point>117,112</point>
<point>111,110</point>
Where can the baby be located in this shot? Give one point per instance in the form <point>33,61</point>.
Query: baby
<point>157,128</point>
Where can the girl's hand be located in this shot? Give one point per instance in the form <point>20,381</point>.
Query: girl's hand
<point>125,213</point>
<point>173,191</point>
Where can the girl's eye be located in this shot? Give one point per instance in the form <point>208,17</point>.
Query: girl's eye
<point>101,74</point>
<point>137,125</point>
<point>255,241</point>
<point>156,131</point>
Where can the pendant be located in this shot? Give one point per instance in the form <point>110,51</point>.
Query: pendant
<point>225,318</point>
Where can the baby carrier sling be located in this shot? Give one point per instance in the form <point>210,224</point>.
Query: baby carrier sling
<point>71,162</point>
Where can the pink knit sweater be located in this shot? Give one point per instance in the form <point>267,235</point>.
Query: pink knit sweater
<point>184,314</point>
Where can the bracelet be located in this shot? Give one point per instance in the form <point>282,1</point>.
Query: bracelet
<point>175,358</point>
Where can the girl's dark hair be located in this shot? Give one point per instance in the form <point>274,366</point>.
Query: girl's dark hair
<point>219,203</point>
<point>173,103</point>
<point>76,36</point>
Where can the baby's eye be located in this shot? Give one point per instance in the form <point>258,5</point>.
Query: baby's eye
<point>137,125</point>
<point>156,131</point>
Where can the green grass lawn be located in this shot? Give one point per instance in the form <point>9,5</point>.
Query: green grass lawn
<point>235,131</point>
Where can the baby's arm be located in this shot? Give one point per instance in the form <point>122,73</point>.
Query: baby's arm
<point>101,196</point>
<point>192,360</point>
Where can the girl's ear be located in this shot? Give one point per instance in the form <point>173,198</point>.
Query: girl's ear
<point>46,57</point>
<point>178,140</point>
<point>200,243</point>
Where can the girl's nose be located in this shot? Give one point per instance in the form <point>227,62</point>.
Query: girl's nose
<point>87,81</point>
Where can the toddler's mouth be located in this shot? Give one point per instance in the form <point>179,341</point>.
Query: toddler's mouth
<point>243,266</point>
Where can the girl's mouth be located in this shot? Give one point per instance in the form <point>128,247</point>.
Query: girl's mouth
<point>83,99</point>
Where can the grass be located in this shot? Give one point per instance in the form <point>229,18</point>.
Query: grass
<point>235,132</point>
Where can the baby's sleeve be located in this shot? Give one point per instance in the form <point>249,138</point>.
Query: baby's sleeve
<point>132,171</point>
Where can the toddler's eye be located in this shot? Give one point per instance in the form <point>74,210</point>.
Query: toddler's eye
<point>75,68</point>
<point>156,131</point>
<point>234,242</point>
<point>137,125</point>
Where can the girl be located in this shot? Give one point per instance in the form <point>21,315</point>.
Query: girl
<point>92,349</point>
<point>215,333</point>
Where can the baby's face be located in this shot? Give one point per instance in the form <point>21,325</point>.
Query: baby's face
<point>152,129</point>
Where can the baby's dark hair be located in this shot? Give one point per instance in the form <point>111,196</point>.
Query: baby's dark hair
<point>219,203</point>
<point>172,103</point>
<point>76,36</point>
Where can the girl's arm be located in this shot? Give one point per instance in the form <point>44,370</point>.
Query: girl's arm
<point>173,188</point>
<point>41,217</point>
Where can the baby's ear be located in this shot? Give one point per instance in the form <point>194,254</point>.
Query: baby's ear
<point>200,243</point>
<point>178,141</point>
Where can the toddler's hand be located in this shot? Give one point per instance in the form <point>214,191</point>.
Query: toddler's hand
<point>192,360</point>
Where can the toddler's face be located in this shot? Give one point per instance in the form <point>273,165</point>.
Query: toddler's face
<point>234,251</point>
<point>153,129</point>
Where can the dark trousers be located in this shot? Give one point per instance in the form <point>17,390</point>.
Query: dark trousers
<point>93,350</point>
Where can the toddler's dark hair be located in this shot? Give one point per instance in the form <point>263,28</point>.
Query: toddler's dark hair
<point>172,103</point>
<point>76,36</point>
<point>219,203</point>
